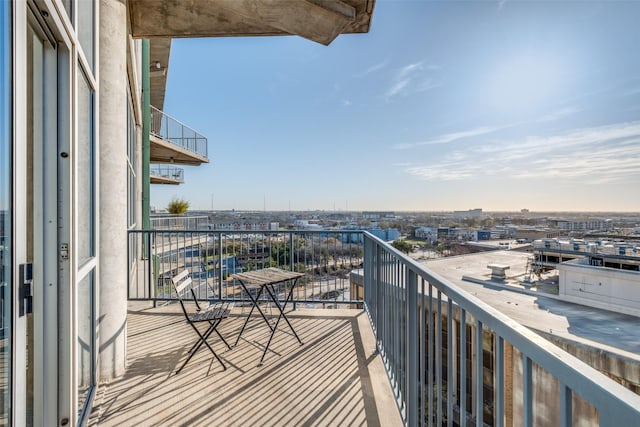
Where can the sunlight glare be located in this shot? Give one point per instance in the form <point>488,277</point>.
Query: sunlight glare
<point>524,83</point>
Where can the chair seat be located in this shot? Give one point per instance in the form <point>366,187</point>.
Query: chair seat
<point>213,315</point>
<point>213,312</point>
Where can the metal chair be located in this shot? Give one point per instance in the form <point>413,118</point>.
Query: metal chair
<point>213,315</point>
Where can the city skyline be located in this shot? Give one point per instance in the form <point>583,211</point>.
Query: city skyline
<point>442,106</point>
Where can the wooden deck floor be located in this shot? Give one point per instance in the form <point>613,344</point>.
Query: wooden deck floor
<point>334,378</point>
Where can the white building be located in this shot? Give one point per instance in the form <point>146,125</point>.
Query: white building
<point>602,287</point>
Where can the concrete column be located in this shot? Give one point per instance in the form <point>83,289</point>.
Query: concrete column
<point>112,303</point>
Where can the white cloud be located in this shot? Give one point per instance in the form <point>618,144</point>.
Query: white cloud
<point>374,68</point>
<point>501,4</point>
<point>454,136</point>
<point>594,155</point>
<point>412,76</point>
<point>484,130</point>
<point>346,103</point>
<point>396,88</point>
<point>428,84</point>
<point>558,114</point>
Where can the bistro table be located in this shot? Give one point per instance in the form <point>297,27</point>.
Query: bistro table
<point>266,279</point>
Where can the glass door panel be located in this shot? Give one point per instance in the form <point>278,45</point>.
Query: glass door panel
<point>85,347</point>
<point>85,243</point>
<point>6,208</point>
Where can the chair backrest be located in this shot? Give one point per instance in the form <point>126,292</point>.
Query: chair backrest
<point>181,281</point>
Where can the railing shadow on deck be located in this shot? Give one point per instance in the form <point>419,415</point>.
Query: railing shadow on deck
<point>324,381</point>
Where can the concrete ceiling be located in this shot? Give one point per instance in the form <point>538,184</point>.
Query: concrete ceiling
<point>159,179</point>
<point>159,50</point>
<point>318,20</point>
<point>164,152</point>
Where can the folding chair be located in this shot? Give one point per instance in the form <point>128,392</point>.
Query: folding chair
<point>213,315</point>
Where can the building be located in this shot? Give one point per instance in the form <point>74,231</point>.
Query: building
<point>81,101</point>
<point>591,224</point>
<point>241,225</point>
<point>378,215</point>
<point>535,233</point>
<point>468,214</point>
<point>386,234</point>
<point>588,282</point>
<point>482,235</point>
<point>430,234</point>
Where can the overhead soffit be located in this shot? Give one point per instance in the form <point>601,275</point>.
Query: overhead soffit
<point>159,51</point>
<point>318,20</point>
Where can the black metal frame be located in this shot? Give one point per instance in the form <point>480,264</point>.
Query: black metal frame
<point>213,315</point>
<point>272,294</point>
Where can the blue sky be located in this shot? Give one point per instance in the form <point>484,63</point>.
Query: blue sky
<point>441,106</point>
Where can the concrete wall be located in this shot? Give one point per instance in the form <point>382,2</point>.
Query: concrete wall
<point>546,398</point>
<point>607,288</point>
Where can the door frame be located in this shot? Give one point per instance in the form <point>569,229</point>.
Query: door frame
<point>44,229</point>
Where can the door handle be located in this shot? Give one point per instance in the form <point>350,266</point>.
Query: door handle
<point>26,289</point>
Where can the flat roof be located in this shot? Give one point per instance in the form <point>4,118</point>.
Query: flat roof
<point>615,332</point>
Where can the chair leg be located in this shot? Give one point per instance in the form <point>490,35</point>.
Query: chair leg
<point>203,340</point>
<point>222,338</point>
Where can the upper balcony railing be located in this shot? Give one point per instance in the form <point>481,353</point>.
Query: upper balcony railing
<point>178,222</point>
<point>451,358</point>
<point>166,127</point>
<point>168,172</point>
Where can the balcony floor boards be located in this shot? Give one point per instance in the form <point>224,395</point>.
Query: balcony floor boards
<point>333,379</point>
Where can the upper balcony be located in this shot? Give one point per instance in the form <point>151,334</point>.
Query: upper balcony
<point>174,142</point>
<point>166,175</point>
<point>320,21</point>
<point>450,358</point>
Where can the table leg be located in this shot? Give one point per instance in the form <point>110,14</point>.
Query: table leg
<point>254,304</point>
<point>281,315</point>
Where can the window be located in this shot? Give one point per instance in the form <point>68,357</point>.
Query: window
<point>86,172</point>
<point>132,144</point>
<point>85,29</point>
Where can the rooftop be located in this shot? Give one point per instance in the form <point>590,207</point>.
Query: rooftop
<point>618,333</point>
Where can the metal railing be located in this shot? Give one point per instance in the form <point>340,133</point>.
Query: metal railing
<point>326,258</point>
<point>170,172</point>
<point>166,127</point>
<point>179,222</point>
<point>454,360</point>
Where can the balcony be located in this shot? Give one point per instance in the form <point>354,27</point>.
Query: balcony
<point>174,142</point>
<point>421,325</point>
<point>332,379</point>
<point>166,175</point>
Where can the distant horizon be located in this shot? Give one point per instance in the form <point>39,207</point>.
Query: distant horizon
<point>414,211</point>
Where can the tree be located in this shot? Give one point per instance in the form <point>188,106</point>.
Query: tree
<point>403,246</point>
<point>178,207</point>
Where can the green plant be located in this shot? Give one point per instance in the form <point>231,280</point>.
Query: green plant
<point>178,207</point>
<point>403,246</point>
